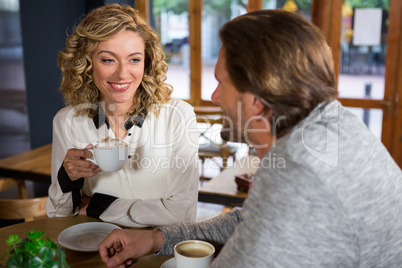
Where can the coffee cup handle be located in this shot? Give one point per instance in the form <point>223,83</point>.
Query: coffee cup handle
<point>93,154</point>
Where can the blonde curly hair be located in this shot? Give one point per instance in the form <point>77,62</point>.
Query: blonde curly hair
<point>102,23</point>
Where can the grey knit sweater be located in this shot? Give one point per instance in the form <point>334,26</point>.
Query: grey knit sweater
<point>331,198</point>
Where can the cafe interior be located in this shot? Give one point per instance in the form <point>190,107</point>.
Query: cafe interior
<point>366,42</point>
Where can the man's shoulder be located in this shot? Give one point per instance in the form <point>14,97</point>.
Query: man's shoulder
<point>329,140</point>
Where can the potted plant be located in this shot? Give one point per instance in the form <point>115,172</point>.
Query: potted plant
<point>34,251</point>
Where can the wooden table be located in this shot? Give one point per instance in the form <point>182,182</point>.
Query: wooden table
<point>34,165</point>
<point>52,228</point>
<point>222,189</point>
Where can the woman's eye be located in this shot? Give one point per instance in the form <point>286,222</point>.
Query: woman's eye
<point>107,60</point>
<point>135,60</point>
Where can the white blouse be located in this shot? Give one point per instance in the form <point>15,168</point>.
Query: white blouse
<point>159,182</point>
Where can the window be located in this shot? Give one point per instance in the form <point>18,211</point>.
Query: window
<point>185,26</point>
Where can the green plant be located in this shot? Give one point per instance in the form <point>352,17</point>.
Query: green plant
<point>34,252</point>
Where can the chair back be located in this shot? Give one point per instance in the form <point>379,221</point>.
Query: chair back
<point>6,183</point>
<point>27,209</point>
<point>22,208</point>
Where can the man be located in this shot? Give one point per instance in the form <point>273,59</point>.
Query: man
<point>336,198</point>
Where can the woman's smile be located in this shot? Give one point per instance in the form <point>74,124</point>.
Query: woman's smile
<point>120,86</point>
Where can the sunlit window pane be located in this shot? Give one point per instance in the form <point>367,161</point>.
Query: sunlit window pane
<point>171,24</point>
<point>214,15</point>
<point>363,49</point>
<point>14,134</point>
<point>9,5</point>
<point>371,117</point>
<point>302,7</point>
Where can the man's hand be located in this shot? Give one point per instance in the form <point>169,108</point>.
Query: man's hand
<point>121,246</point>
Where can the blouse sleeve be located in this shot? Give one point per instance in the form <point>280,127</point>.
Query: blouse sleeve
<point>180,200</point>
<point>60,201</point>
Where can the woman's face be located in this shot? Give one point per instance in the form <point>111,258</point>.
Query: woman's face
<point>118,67</point>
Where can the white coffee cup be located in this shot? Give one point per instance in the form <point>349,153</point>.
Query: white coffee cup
<point>110,155</point>
<point>194,254</point>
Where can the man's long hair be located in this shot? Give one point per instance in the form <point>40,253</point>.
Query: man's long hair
<point>283,59</point>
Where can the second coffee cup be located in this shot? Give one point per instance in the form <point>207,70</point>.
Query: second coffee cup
<point>194,254</point>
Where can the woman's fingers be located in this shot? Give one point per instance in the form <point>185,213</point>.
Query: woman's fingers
<point>76,165</point>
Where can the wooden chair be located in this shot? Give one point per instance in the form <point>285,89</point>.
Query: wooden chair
<point>210,122</point>
<point>23,208</point>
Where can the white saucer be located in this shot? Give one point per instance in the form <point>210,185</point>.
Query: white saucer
<point>85,236</point>
<point>170,263</point>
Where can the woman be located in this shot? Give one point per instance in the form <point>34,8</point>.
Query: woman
<point>113,74</point>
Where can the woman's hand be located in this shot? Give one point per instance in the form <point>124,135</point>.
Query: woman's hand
<point>76,165</point>
<point>121,246</point>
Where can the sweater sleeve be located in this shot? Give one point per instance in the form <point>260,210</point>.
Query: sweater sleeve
<point>210,230</point>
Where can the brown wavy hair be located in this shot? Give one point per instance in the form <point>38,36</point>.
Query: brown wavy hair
<point>102,23</point>
<point>284,60</point>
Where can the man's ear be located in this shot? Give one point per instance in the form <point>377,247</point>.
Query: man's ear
<point>254,105</point>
